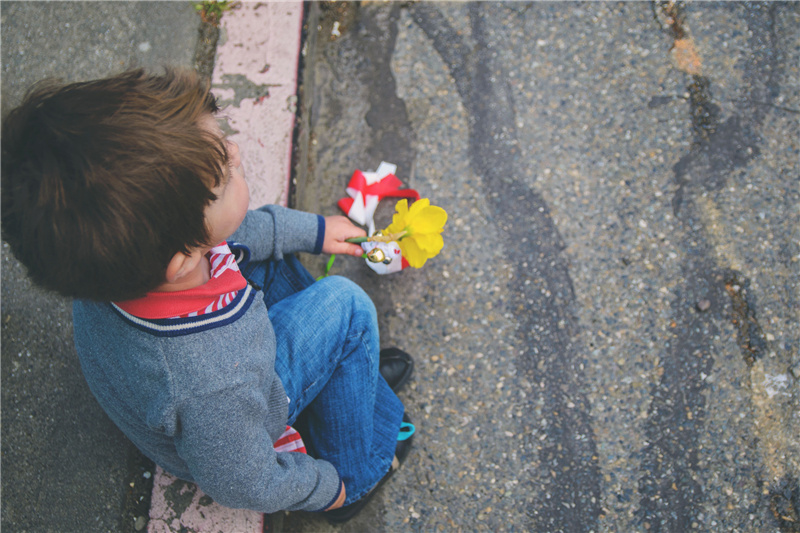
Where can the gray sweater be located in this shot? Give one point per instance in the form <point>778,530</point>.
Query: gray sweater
<point>200,396</point>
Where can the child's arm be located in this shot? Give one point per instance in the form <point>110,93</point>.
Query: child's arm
<point>339,501</point>
<point>272,232</point>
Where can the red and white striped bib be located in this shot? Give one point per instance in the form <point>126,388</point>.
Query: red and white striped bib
<point>215,294</point>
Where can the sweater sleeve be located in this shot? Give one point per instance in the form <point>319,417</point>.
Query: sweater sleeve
<point>273,231</point>
<point>226,446</point>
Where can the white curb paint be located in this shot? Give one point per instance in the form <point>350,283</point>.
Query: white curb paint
<point>261,44</point>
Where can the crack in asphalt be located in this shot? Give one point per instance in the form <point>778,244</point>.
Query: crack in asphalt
<point>206,49</point>
<point>387,116</point>
<point>671,495</point>
<point>784,503</point>
<point>569,475</point>
<point>752,341</point>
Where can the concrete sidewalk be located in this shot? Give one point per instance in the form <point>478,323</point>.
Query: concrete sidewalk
<point>65,466</point>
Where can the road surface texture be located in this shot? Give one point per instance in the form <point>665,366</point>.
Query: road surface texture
<point>609,340</point>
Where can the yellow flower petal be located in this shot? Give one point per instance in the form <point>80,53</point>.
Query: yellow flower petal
<point>418,206</point>
<point>431,243</point>
<point>399,218</point>
<point>412,253</point>
<point>428,220</point>
<point>422,225</point>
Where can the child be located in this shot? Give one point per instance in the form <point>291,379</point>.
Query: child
<point>198,331</point>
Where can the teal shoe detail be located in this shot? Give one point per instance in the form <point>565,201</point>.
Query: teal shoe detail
<point>406,431</point>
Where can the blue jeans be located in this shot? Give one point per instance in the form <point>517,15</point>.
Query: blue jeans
<point>327,358</point>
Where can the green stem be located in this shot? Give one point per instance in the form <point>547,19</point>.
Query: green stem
<point>328,267</point>
<point>379,238</point>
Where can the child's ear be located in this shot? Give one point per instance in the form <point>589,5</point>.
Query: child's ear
<point>181,264</point>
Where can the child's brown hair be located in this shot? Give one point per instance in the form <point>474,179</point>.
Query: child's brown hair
<point>104,181</point>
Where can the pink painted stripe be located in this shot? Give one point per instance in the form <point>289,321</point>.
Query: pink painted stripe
<point>262,43</point>
<point>201,516</point>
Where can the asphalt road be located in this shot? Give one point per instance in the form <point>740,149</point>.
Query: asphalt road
<point>609,341</point>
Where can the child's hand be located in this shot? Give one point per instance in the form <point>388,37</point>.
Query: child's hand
<point>337,229</point>
<point>339,501</point>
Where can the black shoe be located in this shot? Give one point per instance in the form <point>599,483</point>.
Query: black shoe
<point>343,514</point>
<point>404,439</point>
<point>396,367</point>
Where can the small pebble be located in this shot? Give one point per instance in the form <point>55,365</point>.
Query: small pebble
<point>703,305</point>
<point>140,523</point>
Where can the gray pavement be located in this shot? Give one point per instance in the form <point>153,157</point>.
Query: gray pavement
<point>65,466</point>
<point>608,342</point>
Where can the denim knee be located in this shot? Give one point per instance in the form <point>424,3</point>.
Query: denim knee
<point>342,297</point>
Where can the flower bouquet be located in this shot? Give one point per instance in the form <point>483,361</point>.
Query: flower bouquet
<point>413,237</point>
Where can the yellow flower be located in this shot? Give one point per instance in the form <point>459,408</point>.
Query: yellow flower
<point>418,230</point>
